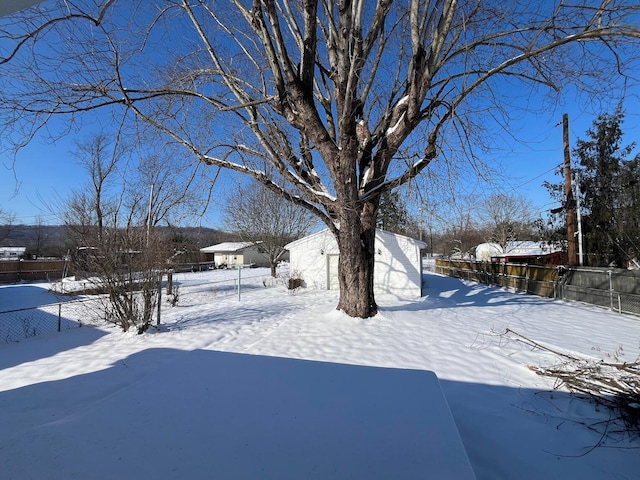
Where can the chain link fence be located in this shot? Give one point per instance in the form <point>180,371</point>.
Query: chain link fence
<point>177,288</point>
<point>615,289</point>
<point>19,324</point>
<point>184,288</point>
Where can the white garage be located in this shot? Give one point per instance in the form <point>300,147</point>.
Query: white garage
<point>398,262</point>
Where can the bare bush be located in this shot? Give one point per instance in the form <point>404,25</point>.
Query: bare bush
<point>126,265</point>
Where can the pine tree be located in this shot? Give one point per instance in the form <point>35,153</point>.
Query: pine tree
<point>392,213</point>
<point>609,184</point>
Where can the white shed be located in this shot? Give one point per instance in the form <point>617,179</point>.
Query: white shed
<point>398,262</point>
<point>485,251</point>
<point>237,253</point>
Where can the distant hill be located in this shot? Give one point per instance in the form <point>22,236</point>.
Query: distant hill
<point>25,235</point>
<point>52,237</point>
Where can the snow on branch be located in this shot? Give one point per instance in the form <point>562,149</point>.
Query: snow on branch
<point>314,192</point>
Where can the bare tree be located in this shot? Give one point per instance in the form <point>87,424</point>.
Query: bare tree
<point>93,207</point>
<point>40,238</point>
<point>507,218</point>
<point>258,215</point>
<point>126,265</point>
<point>164,186</point>
<point>7,220</point>
<point>122,259</point>
<point>346,100</point>
<point>462,229</point>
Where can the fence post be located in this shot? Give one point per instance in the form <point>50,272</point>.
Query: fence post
<point>619,304</point>
<point>159,297</point>
<point>504,279</point>
<point>59,315</point>
<point>610,291</point>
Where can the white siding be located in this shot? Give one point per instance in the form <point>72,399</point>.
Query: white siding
<point>398,264</point>
<point>308,258</point>
<point>398,268</point>
<point>332,273</point>
<point>253,255</point>
<point>243,255</point>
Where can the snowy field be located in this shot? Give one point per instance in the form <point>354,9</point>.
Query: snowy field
<point>99,403</point>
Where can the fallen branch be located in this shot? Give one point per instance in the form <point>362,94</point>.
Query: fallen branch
<point>615,385</point>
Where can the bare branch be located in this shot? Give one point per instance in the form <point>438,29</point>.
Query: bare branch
<point>344,100</point>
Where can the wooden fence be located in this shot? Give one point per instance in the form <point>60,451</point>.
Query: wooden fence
<point>12,271</point>
<point>614,289</point>
<point>534,279</point>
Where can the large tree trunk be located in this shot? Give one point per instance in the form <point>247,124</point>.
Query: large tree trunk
<point>356,241</point>
<point>355,273</point>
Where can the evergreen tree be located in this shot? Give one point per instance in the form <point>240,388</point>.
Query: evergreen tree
<point>392,213</point>
<point>609,185</point>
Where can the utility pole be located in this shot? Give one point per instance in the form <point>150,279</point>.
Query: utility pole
<point>579,219</point>
<point>149,215</point>
<point>571,226</point>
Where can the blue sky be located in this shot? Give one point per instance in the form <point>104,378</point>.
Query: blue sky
<point>534,161</point>
<point>44,172</point>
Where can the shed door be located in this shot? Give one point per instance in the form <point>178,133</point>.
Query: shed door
<point>332,272</point>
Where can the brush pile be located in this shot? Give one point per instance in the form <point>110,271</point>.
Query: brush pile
<point>614,384</point>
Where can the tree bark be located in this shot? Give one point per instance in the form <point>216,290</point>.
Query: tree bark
<point>355,273</point>
<point>356,243</point>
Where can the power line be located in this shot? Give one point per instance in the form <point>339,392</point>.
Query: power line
<point>538,176</point>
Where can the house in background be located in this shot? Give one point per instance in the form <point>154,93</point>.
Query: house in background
<point>236,253</point>
<point>12,253</point>
<point>397,270</point>
<point>540,253</point>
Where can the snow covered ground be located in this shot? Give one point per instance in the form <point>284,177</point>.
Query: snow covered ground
<point>121,405</point>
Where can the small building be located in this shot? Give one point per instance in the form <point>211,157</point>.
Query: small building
<point>540,253</point>
<point>397,270</point>
<point>236,253</point>
<point>12,253</point>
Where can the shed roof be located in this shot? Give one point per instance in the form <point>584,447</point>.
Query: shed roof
<point>13,249</point>
<point>514,249</point>
<point>227,247</point>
